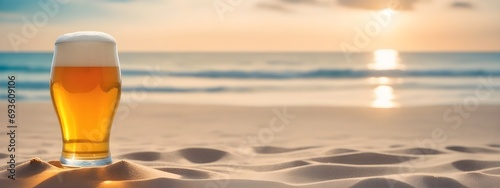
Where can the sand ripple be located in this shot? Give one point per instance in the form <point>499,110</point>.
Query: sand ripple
<point>365,158</point>
<point>269,166</point>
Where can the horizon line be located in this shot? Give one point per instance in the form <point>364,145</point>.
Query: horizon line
<point>278,51</point>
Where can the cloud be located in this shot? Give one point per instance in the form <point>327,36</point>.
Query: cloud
<point>273,7</point>
<point>306,2</point>
<point>462,5</point>
<point>289,5</point>
<point>312,2</point>
<point>376,4</point>
<point>120,1</point>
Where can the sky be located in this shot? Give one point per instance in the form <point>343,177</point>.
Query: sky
<point>257,25</point>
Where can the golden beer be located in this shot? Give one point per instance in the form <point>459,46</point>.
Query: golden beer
<point>85,87</point>
<point>85,99</point>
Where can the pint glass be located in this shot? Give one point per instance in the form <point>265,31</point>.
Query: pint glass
<point>85,86</point>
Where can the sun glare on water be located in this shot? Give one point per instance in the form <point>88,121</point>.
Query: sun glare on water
<point>383,94</point>
<point>384,97</point>
<point>385,59</point>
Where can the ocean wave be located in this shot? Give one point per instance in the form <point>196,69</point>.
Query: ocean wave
<point>323,73</point>
<point>42,86</point>
<point>23,69</point>
<point>282,74</point>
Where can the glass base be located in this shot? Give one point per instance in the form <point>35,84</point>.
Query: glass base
<point>85,163</point>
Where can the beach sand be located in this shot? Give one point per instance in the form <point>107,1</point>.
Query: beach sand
<point>173,145</point>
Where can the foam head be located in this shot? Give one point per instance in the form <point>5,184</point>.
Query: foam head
<point>85,49</point>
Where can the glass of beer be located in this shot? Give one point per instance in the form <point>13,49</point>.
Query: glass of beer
<point>85,86</point>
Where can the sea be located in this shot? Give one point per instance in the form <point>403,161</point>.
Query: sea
<point>380,79</point>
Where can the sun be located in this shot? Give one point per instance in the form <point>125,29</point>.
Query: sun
<point>390,10</point>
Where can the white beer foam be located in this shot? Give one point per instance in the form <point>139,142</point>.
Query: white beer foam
<point>85,49</point>
<point>86,36</point>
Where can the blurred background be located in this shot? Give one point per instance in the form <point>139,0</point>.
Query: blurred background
<point>369,53</point>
